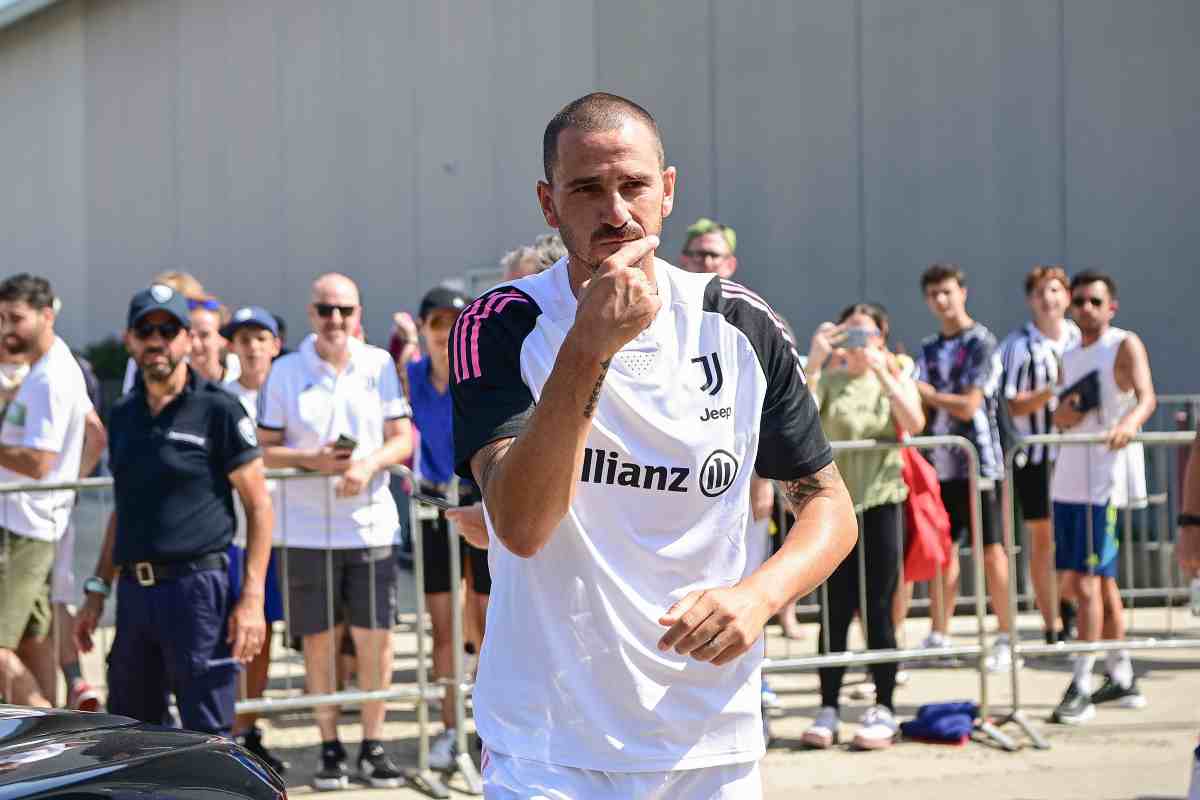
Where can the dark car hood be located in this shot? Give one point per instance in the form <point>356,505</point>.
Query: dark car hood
<point>44,753</point>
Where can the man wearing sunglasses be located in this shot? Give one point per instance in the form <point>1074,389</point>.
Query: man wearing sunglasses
<point>1109,389</point>
<point>179,446</point>
<point>335,407</point>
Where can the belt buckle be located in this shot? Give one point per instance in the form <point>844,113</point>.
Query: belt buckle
<point>144,572</point>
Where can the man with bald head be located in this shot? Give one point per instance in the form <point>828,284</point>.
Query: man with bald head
<point>335,407</point>
<point>613,410</point>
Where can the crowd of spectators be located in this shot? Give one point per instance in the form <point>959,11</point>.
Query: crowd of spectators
<point>341,407</point>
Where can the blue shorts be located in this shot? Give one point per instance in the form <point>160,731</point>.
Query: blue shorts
<point>1071,539</point>
<point>273,600</point>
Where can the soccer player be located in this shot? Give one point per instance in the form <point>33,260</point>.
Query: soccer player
<point>613,409</point>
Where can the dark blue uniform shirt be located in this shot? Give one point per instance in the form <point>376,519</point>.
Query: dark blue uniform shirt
<point>174,500</point>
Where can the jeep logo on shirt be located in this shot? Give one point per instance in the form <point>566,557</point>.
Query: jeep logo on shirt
<point>717,473</point>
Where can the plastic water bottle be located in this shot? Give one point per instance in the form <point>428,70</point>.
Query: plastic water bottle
<point>1196,596</point>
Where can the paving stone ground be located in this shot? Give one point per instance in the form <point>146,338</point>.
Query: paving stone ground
<point>1121,754</point>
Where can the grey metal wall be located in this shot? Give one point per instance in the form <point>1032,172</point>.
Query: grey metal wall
<point>850,142</point>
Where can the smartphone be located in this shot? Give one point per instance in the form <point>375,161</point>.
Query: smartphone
<point>856,338</point>
<point>345,442</point>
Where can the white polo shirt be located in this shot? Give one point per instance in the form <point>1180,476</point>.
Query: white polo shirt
<point>48,413</point>
<point>709,394</point>
<point>312,405</point>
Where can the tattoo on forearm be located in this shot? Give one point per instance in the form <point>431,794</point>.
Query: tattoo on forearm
<point>590,408</point>
<point>801,491</point>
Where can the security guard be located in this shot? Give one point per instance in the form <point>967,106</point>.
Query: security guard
<point>178,446</point>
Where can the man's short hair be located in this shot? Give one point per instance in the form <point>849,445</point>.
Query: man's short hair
<point>937,273</point>
<point>549,248</point>
<point>595,112</point>
<point>35,291</point>
<point>1092,276</point>
<point>704,226</point>
<point>1045,272</point>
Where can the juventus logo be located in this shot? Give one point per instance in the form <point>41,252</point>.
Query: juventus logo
<point>717,473</point>
<point>713,378</point>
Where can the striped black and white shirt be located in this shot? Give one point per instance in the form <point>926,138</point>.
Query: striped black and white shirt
<point>1030,360</point>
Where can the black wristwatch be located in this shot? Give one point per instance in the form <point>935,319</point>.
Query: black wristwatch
<point>1189,520</point>
<point>97,585</point>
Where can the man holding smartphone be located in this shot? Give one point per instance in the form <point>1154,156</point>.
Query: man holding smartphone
<point>335,407</point>
<point>1090,482</point>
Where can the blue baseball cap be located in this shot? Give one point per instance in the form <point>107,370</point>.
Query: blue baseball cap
<point>247,316</point>
<point>159,297</point>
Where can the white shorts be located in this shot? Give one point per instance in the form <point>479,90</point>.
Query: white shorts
<point>62,575</point>
<point>510,778</point>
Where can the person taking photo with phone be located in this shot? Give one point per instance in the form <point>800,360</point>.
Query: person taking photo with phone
<point>866,397</point>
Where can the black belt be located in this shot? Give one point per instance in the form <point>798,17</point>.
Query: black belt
<point>148,573</point>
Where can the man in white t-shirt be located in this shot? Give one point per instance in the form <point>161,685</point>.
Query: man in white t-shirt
<point>42,439</point>
<point>613,409</point>
<point>335,406</point>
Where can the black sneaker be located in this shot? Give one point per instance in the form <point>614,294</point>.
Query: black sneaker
<point>252,741</point>
<point>1075,708</point>
<point>334,774</point>
<point>376,768</point>
<point>1111,691</point>
<point>1052,637</point>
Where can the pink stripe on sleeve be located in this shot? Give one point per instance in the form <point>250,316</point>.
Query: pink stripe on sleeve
<point>494,305</point>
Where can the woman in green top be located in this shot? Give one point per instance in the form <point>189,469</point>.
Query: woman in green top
<point>863,394</point>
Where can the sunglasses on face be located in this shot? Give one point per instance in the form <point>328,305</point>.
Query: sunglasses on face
<point>207,305</point>
<point>167,330</point>
<point>1080,302</point>
<point>325,310</point>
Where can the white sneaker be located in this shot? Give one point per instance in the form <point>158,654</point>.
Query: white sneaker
<point>770,700</point>
<point>902,677</point>
<point>823,732</point>
<point>933,641</point>
<point>1000,659</point>
<point>443,751</point>
<point>877,729</point>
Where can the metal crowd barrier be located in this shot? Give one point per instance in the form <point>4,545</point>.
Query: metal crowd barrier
<point>420,694</point>
<point>427,689</point>
<point>1166,532</point>
<point>977,652</point>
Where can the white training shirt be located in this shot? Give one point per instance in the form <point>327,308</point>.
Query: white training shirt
<point>312,404</point>
<point>1093,473</point>
<point>49,413</point>
<point>712,392</point>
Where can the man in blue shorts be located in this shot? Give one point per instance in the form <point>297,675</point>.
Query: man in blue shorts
<point>1109,389</point>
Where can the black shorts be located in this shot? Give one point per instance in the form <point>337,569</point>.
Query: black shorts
<point>308,589</point>
<point>956,497</point>
<point>1031,483</point>
<point>435,547</point>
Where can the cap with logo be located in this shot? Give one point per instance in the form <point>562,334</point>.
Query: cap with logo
<point>443,297</point>
<point>159,297</point>
<point>250,316</point>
